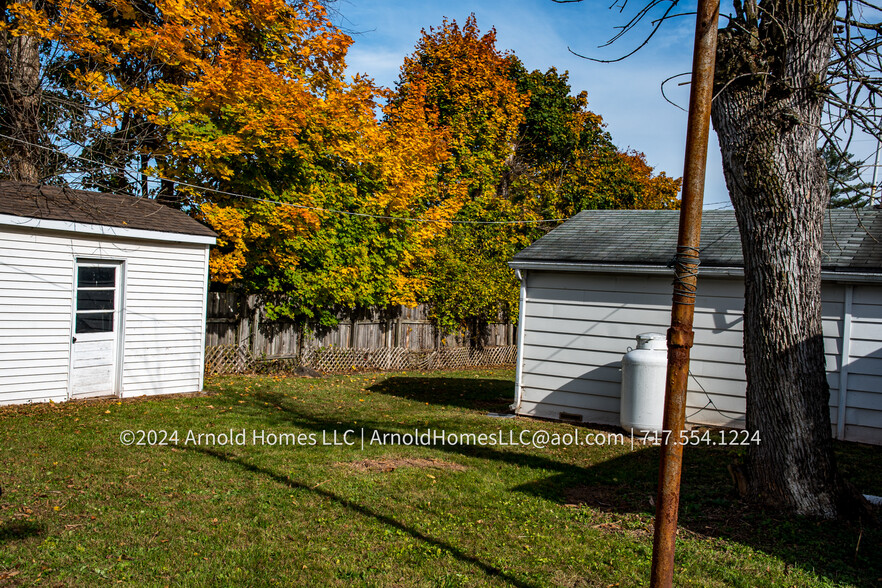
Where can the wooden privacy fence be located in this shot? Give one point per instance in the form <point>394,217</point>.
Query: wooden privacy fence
<point>240,339</point>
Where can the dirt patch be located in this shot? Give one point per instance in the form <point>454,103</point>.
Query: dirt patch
<point>605,498</point>
<point>390,465</point>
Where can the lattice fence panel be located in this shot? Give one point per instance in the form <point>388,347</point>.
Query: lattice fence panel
<point>228,359</point>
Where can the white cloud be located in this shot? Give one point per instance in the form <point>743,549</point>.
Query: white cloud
<point>379,64</point>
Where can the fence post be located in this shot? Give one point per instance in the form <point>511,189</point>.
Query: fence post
<point>387,341</point>
<point>242,324</point>
<point>353,336</point>
<point>255,327</point>
<point>301,353</point>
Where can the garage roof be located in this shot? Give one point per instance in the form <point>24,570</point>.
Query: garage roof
<point>852,240</point>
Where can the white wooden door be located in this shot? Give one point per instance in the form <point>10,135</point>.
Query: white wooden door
<point>95,342</point>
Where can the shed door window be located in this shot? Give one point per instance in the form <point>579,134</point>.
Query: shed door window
<point>96,294</point>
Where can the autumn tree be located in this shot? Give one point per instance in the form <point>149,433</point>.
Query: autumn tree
<point>520,147</point>
<point>250,99</point>
<point>65,122</point>
<point>462,81</point>
<point>338,188</point>
<point>565,161</point>
<point>115,143</point>
<point>459,80</point>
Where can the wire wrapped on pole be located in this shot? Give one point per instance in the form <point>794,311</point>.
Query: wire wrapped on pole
<point>686,264</point>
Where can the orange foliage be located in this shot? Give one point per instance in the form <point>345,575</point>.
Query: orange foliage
<point>655,191</point>
<point>222,96</point>
<point>249,97</point>
<point>460,80</point>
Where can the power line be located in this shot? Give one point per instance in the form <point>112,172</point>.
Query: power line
<point>279,202</point>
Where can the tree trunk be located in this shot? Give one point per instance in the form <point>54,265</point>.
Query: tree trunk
<point>21,93</point>
<point>145,186</point>
<point>166,193</point>
<point>767,113</point>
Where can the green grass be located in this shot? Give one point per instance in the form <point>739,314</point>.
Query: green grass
<point>80,508</point>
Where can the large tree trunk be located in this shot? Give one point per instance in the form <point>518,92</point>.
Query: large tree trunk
<point>767,114</point>
<point>21,93</point>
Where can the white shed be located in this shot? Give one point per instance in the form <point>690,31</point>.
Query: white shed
<point>590,286</point>
<point>100,295</point>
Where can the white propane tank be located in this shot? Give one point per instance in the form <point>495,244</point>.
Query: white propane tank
<point>643,384</point>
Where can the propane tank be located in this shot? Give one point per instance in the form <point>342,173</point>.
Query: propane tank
<point>643,384</point>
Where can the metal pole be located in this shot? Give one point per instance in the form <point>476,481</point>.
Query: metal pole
<point>680,334</point>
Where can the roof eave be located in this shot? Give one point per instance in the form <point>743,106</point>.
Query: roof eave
<point>851,277</point>
<point>103,230</point>
<point>847,276</point>
<point>597,268</point>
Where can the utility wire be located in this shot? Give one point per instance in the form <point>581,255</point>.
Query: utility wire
<point>710,402</point>
<point>279,202</point>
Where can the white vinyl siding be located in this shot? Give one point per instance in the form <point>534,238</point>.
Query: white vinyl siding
<point>164,320</point>
<point>163,288</point>
<point>863,412</point>
<point>36,297</point>
<point>577,327</point>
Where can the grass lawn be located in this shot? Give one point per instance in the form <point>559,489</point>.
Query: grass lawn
<point>79,507</point>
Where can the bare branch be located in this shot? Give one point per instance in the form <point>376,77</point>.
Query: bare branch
<point>854,80</point>
<point>629,26</point>
<point>665,96</point>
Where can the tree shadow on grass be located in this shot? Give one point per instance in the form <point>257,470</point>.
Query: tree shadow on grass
<point>455,552</point>
<point>494,395</point>
<point>843,551</point>
<point>626,485</point>
<point>20,530</point>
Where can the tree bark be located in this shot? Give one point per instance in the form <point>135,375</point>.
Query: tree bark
<point>21,93</point>
<point>772,62</point>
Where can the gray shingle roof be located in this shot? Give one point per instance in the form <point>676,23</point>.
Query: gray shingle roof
<point>852,239</point>
<point>111,210</point>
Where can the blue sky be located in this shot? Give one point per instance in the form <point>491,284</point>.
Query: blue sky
<point>541,32</point>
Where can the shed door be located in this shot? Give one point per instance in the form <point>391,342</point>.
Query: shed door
<point>95,341</point>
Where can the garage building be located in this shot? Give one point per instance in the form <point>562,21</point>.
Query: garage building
<point>590,286</point>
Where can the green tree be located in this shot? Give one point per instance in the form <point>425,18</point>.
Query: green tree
<point>566,162</point>
<point>843,175</point>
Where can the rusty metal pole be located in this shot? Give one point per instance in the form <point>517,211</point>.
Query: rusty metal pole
<point>680,334</point>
